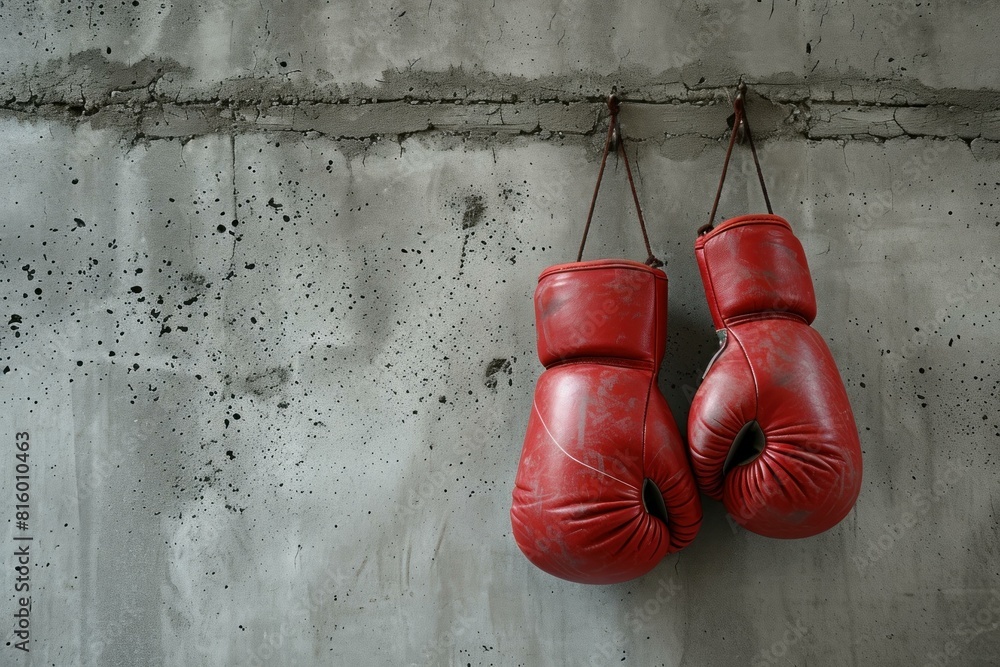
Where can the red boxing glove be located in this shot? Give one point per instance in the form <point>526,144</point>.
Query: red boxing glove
<point>604,489</point>
<point>770,430</point>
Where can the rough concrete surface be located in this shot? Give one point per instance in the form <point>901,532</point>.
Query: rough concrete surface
<point>267,321</point>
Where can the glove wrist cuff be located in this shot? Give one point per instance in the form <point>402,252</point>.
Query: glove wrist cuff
<point>601,309</point>
<point>754,264</point>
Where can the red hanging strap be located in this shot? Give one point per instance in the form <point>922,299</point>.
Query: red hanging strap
<point>739,118</point>
<point>616,138</point>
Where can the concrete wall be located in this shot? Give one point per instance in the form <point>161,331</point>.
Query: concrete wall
<point>267,272</point>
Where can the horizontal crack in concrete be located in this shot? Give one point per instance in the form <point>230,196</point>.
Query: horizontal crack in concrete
<point>641,121</point>
<point>156,100</point>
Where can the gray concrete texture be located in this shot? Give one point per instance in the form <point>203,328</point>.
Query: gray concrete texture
<point>267,319</point>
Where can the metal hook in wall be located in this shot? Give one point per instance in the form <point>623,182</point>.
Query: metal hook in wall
<point>614,106</point>
<point>737,119</point>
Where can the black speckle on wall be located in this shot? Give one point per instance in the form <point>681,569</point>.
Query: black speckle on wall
<point>268,382</point>
<point>495,370</point>
<point>475,209</point>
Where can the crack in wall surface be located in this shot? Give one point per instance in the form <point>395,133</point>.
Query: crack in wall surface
<point>643,121</point>
<point>152,100</point>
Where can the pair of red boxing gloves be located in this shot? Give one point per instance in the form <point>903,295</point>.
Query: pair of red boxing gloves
<point>606,487</point>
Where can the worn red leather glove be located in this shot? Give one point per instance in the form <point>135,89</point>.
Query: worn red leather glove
<point>604,489</point>
<point>771,431</point>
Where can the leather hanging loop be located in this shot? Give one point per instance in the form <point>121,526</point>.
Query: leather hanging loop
<point>741,126</point>
<point>615,140</point>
